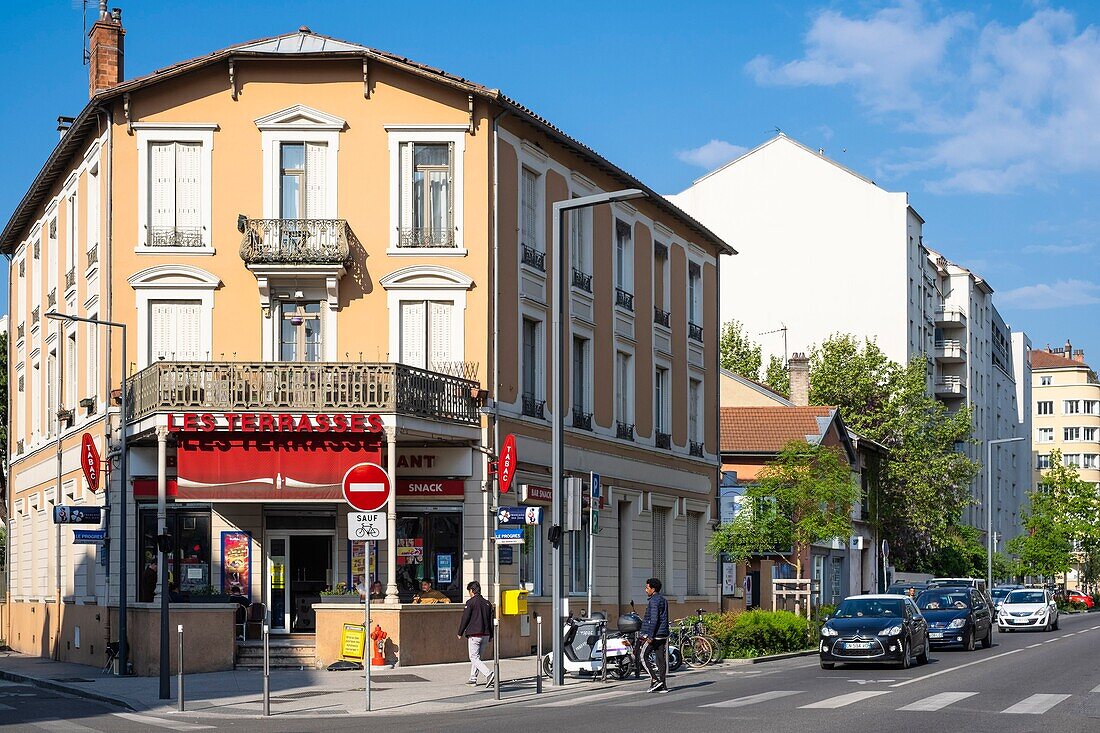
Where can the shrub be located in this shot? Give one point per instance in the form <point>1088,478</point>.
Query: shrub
<point>1070,606</point>
<point>756,633</point>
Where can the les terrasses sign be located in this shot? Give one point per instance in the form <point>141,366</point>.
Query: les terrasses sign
<point>261,422</point>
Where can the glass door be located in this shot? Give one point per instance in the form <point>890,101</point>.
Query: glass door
<point>278,589</point>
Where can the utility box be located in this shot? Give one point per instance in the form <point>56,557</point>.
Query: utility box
<point>515,602</point>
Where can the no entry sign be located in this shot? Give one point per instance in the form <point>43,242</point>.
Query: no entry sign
<point>366,487</point>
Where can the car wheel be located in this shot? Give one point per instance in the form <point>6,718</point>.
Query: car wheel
<point>922,658</point>
<point>968,640</point>
<point>988,640</point>
<point>828,665</point>
<point>906,661</point>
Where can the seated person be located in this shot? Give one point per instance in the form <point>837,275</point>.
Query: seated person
<point>235,596</point>
<point>376,592</point>
<point>429,595</point>
<point>960,603</point>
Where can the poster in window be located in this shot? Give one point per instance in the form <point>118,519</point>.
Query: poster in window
<point>237,562</point>
<point>410,551</point>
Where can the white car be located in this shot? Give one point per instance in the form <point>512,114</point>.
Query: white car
<point>1028,608</point>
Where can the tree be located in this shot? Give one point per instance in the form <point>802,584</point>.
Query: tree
<point>777,378</point>
<point>737,352</point>
<point>856,377</point>
<point>804,496</point>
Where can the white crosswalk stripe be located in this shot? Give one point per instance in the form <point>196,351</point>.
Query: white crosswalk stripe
<point>674,694</point>
<point>739,702</point>
<point>161,722</point>
<point>64,726</point>
<point>844,700</point>
<point>937,702</point>
<point>1035,705</point>
<point>1096,689</point>
<point>569,700</point>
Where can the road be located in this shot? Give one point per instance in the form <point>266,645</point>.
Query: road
<point>1028,681</point>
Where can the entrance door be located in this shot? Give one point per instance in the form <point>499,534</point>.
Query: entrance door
<point>278,591</point>
<point>299,566</point>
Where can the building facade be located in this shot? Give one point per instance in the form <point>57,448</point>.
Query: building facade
<point>793,210</point>
<point>1067,413</point>
<point>325,254</point>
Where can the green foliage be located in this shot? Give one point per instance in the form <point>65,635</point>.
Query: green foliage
<point>805,495</point>
<point>756,633</point>
<point>1066,606</point>
<point>776,376</point>
<point>737,352</point>
<point>1053,520</point>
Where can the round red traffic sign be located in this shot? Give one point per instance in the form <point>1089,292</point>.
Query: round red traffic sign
<point>366,487</point>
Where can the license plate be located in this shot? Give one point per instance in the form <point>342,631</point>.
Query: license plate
<point>935,634</point>
<point>1019,620</point>
<point>857,645</point>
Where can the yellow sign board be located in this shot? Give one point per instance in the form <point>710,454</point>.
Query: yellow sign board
<point>277,576</point>
<point>353,642</point>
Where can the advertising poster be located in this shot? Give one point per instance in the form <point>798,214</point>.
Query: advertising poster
<point>443,569</point>
<point>410,551</point>
<point>357,563</point>
<point>237,562</point>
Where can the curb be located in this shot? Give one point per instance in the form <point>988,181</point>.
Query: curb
<point>67,689</point>
<point>771,657</point>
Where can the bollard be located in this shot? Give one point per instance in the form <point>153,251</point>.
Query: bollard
<point>603,642</point>
<point>496,656</point>
<point>267,667</point>
<point>538,654</point>
<point>179,670</point>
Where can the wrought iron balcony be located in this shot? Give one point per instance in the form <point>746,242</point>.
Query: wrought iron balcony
<point>582,280</point>
<point>51,299</point>
<point>582,420</point>
<point>533,407</point>
<point>34,315</point>
<point>425,237</point>
<point>293,241</point>
<point>660,317</point>
<point>533,258</point>
<point>20,331</point>
<point>301,386</point>
<point>70,278</point>
<point>624,299</point>
<point>695,448</point>
<point>174,237</point>
<point>93,255</point>
<point>624,430</point>
<point>664,440</point>
<point>695,332</point>
<point>19,446</point>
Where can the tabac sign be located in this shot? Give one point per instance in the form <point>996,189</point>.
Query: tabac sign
<point>89,461</point>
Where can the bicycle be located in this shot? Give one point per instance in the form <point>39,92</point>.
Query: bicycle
<point>696,646</point>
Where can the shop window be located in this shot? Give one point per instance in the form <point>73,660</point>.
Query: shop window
<point>429,547</point>
<point>189,555</point>
<point>530,559</point>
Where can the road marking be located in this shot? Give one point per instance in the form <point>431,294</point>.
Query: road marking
<point>675,694</point>
<point>1036,704</point>
<point>162,723</point>
<point>952,669</point>
<point>740,702</point>
<point>937,702</point>
<point>1032,646</point>
<point>564,702</point>
<point>64,726</point>
<point>1095,689</point>
<point>842,700</point>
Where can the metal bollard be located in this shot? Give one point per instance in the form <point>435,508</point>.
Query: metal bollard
<point>538,654</point>
<point>179,670</point>
<point>603,642</point>
<point>267,667</point>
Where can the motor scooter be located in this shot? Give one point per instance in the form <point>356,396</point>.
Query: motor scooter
<point>582,651</point>
<point>629,625</point>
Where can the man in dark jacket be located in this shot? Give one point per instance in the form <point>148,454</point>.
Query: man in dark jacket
<point>654,635</point>
<point>477,627</point>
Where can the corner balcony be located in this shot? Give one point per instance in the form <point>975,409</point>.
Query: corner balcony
<point>293,241</point>
<point>950,387</point>
<point>950,351</point>
<point>301,387</point>
<point>951,316</point>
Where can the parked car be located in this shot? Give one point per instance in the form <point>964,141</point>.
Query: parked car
<point>997,595</point>
<point>1026,608</point>
<point>1076,596</point>
<point>956,615</point>
<point>874,629</point>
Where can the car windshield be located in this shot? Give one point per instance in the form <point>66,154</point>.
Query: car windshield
<point>1026,596</point>
<point>943,598</point>
<point>999,593</point>
<point>874,607</point>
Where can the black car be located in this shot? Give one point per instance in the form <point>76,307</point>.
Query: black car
<point>874,629</point>
<point>957,615</point>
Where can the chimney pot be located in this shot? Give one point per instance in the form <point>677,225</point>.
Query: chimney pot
<point>105,51</point>
<point>1067,350</point>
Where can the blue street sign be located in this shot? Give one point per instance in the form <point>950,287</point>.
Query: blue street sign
<point>508,533</point>
<point>594,482</point>
<point>77,515</point>
<point>89,536</point>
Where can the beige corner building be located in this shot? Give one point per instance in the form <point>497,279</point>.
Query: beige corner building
<point>325,254</point>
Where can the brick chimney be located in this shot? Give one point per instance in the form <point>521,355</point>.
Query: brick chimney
<point>798,367</point>
<point>105,44</point>
<point>1067,350</point>
<point>1079,355</point>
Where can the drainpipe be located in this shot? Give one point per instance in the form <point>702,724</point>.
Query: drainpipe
<point>8,500</point>
<point>106,265</point>
<point>496,340</point>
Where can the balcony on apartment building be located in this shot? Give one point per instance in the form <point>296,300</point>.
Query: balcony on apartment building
<point>302,386</point>
<point>950,387</point>
<point>950,316</point>
<point>950,351</point>
<point>293,241</point>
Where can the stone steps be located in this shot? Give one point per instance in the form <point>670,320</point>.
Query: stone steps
<point>283,654</point>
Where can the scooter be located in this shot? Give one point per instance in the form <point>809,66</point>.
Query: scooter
<point>583,653</point>
<point>630,624</point>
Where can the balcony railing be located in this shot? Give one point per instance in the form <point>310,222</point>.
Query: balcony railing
<point>624,299</point>
<point>950,316</point>
<point>950,350</point>
<point>298,386</point>
<point>70,278</point>
<point>695,332</point>
<point>51,299</point>
<point>34,315</point>
<point>533,407</point>
<point>950,386</point>
<point>174,237</point>
<point>695,448</point>
<point>533,258</point>
<point>624,430</point>
<point>661,318</point>
<point>294,241</point>
<point>425,237</point>
<point>582,280</point>
<point>20,331</point>
<point>582,420</point>
<point>93,255</point>
<point>664,440</point>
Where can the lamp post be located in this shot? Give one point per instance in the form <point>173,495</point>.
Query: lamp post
<point>989,507</point>
<point>558,291</point>
<point>124,473</point>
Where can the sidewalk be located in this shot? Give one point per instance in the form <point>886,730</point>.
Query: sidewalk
<point>307,693</point>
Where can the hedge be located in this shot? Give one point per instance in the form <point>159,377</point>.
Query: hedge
<point>756,633</point>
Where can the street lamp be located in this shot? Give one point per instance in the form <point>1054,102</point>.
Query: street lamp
<point>989,507</point>
<point>124,471</point>
<point>558,291</point>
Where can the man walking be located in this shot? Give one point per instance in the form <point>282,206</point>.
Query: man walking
<point>477,627</point>
<point>654,635</point>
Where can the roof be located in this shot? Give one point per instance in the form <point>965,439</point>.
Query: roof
<point>307,44</point>
<point>769,429</point>
<point>1043,359</point>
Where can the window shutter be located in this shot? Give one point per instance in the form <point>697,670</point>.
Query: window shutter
<point>406,207</point>
<point>188,332</point>
<point>188,185</point>
<point>693,554</point>
<point>316,178</point>
<point>660,527</point>
<point>529,217</point>
<point>162,176</point>
<point>450,192</point>
<point>160,331</point>
<point>412,333</point>
<point>440,335</point>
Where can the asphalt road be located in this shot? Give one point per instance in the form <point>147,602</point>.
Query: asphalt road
<point>1028,681</point>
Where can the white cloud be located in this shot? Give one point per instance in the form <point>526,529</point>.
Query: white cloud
<point>1005,107</point>
<point>1060,294</point>
<point>711,154</point>
<point>1057,249</point>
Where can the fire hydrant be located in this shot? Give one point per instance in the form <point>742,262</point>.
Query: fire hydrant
<point>378,637</point>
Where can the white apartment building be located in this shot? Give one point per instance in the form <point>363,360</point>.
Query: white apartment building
<point>853,260</point>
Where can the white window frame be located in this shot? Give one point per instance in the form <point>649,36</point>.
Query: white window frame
<point>1090,407</point>
<point>173,282</point>
<point>537,237</point>
<point>1071,434</point>
<point>1039,407</point>
<point>624,390</point>
<point>539,319</point>
<point>148,133</point>
<point>1042,461</point>
<point>427,282</point>
<point>91,204</point>
<point>71,203</point>
<point>1046,381</point>
<point>626,277</point>
<point>1066,407</point>
<point>299,124</point>
<point>441,134</point>
<point>1046,435</point>
<point>1088,434</point>
<point>91,352</point>
<point>695,306</point>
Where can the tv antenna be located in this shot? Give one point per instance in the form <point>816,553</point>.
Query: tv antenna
<point>782,329</point>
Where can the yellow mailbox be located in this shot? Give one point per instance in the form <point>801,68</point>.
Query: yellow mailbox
<point>515,602</point>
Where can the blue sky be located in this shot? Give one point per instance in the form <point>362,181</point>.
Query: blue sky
<point>988,114</point>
